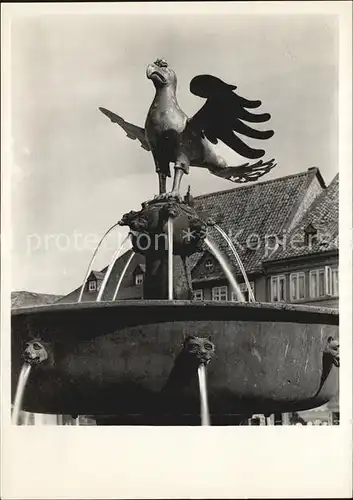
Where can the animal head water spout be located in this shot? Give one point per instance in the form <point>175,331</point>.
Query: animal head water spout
<point>200,348</point>
<point>35,353</point>
<point>332,351</point>
<point>161,74</point>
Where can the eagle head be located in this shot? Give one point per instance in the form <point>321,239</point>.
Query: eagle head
<point>161,74</point>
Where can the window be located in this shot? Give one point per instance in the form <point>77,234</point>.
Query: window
<point>92,286</point>
<point>138,279</point>
<point>220,293</point>
<point>244,290</point>
<point>317,283</point>
<point>297,286</point>
<point>198,295</point>
<point>335,282</point>
<point>209,265</point>
<point>310,235</point>
<point>321,282</point>
<point>278,288</point>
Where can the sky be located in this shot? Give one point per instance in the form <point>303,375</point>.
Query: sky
<point>74,173</point>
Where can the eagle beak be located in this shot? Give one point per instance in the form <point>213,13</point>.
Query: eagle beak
<point>150,69</point>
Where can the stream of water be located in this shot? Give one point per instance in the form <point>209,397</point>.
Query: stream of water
<point>110,268</point>
<point>205,415</point>
<point>21,385</point>
<point>122,275</point>
<point>226,268</point>
<point>239,261</point>
<point>89,269</point>
<point>170,258</point>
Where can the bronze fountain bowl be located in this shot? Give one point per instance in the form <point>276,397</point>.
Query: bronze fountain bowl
<point>115,358</point>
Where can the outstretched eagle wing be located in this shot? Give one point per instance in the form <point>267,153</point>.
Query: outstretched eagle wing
<point>223,116</point>
<point>132,131</point>
<point>246,172</point>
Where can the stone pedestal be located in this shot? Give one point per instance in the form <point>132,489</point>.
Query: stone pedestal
<point>149,230</point>
<point>156,278</point>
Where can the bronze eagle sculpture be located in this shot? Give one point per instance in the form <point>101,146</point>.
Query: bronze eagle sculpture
<point>172,137</point>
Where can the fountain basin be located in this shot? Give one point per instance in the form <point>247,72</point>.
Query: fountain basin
<point>114,358</point>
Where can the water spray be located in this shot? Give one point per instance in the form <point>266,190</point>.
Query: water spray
<point>89,268</point>
<point>225,267</point>
<point>239,262</point>
<point>170,258</point>
<point>205,414</point>
<point>122,275</point>
<point>110,269</point>
<point>34,355</point>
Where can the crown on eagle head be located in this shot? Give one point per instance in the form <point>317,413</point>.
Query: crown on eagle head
<point>162,63</point>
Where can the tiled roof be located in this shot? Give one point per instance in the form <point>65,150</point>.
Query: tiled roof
<point>323,215</point>
<point>261,209</point>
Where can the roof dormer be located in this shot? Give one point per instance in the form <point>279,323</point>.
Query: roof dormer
<point>94,281</point>
<point>310,234</point>
<point>138,274</point>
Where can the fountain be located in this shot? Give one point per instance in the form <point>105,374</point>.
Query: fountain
<point>166,359</point>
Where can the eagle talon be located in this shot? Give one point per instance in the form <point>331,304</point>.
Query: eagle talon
<point>171,196</point>
<point>174,195</point>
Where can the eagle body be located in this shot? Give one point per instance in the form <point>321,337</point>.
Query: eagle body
<point>164,126</point>
<point>172,137</point>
